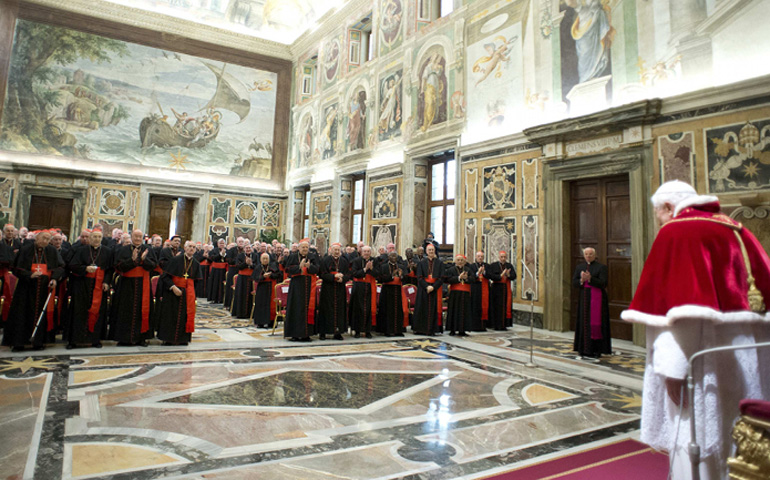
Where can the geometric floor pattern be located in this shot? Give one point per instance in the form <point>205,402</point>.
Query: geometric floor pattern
<point>241,404</point>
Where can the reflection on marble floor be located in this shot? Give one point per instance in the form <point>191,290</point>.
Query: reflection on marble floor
<point>403,409</point>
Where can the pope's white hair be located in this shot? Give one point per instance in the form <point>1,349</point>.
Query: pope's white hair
<point>672,192</point>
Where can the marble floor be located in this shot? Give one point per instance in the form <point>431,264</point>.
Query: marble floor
<point>239,403</point>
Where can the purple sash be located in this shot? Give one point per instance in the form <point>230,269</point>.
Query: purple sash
<point>596,312</point>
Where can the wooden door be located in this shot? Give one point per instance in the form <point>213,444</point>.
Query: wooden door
<point>601,218</point>
<point>184,218</point>
<point>50,212</point>
<point>160,215</point>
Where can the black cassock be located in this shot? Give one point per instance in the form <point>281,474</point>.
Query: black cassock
<point>30,296</point>
<point>200,284</point>
<point>163,257</point>
<point>479,308</point>
<point>7,255</point>
<point>592,340</point>
<point>264,306</point>
<point>459,305</point>
<point>132,298</point>
<point>333,308</point>
<point>242,301</point>
<point>500,296</point>
<point>215,285</point>
<point>390,314</point>
<point>363,299</point>
<point>428,309</point>
<point>300,305</point>
<point>88,318</point>
<point>232,269</point>
<point>177,313</point>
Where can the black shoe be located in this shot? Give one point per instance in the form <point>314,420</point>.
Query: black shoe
<point>183,344</point>
<point>167,344</point>
<point>97,345</point>
<point>38,348</point>
<point>368,335</point>
<point>305,339</point>
<point>463,334</point>
<point>70,346</point>
<point>451,334</point>
<point>17,349</point>
<point>357,335</point>
<point>124,344</point>
<point>143,343</point>
<point>338,336</point>
<point>322,337</point>
<point>399,335</point>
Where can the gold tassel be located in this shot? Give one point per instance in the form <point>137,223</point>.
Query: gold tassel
<point>756,301</point>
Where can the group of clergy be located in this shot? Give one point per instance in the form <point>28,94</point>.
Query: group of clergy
<point>104,288</point>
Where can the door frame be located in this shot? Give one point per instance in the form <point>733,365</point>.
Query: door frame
<point>68,189</point>
<point>636,162</point>
<point>200,219</point>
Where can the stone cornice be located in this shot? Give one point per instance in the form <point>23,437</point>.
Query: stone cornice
<point>168,25</point>
<point>596,124</point>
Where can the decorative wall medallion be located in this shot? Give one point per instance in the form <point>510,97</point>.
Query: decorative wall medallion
<point>738,157</point>
<point>385,201</point>
<point>112,202</point>
<point>246,212</point>
<point>499,191</point>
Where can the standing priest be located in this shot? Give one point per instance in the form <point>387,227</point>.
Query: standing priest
<point>428,307</point>
<point>335,272</point>
<point>91,270</point>
<point>302,266</point>
<point>177,311</point>
<point>502,275</point>
<point>38,267</point>
<point>479,295</point>
<point>592,329</point>
<point>266,275</point>
<point>215,286</point>
<point>363,298</point>
<point>459,278</point>
<point>132,299</point>
<point>242,283</point>
<point>393,314</point>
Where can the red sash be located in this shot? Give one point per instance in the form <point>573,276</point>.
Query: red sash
<point>313,294</point>
<point>96,300</point>
<point>158,270</point>
<point>404,303</point>
<point>484,298</point>
<point>460,287</point>
<point>204,263</point>
<point>43,269</point>
<point>509,298</point>
<point>7,292</point>
<point>373,284</point>
<point>219,265</point>
<point>189,289</point>
<point>246,272</point>
<point>139,272</point>
<point>439,311</point>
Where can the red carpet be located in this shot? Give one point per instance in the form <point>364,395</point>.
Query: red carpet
<point>627,460</point>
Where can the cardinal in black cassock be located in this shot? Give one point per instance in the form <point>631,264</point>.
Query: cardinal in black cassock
<point>363,298</point>
<point>303,267</point>
<point>502,274</point>
<point>133,298</point>
<point>232,270</point>
<point>242,301</point>
<point>202,256</point>
<point>459,277</point>
<point>215,286</point>
<point>428,308</point>
<point>91,269</point>
<point>8,250</point>
<point>479,295</point>
<point>335,272</point>
<point>177,311</point>
<point>38,267</point>
<point>267,275</point>
<point>393,313</point>
<point>592,329</point>
<point>165,256</point>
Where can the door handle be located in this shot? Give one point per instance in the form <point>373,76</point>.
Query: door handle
<point>620,250</point>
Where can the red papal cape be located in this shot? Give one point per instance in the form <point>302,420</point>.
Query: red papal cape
<point>696,270</point>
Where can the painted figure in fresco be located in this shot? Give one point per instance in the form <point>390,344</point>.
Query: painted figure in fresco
<point>306,142</point>
<point>593,36</point>
<point>329,133</point>
<point>390,107</point>
<point>357,121</point>
<point>432,91</point>
<point>497,56</point>
<point>391,20</point>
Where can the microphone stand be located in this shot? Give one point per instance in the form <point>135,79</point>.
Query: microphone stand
<point>531,299</point>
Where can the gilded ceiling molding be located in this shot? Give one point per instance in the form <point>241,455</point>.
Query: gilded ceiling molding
<point>170,25</point>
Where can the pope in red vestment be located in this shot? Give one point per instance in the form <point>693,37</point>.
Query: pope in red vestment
<point>704,285</point>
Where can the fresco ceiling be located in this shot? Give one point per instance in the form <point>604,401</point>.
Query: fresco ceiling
<point>281,21</point>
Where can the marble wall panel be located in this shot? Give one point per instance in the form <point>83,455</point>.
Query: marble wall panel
<point>299,211</point>
<point>112,202</point>
<point>220,210</point>
<point>382,235</point>
<point>345,206</point>
<point>7,199</point>
<point>497,235</point>
<point>246,212</point>
<point>385,201</point>
<point>113,205</point>
<point>529,252</point>
<point>321,211</point>
<point>471,234</point>
<point>218,231</point>
<point>676,156</point>
<point>320,236</point>
<point>471,177</point>
<point>530,184</point>
<point>271,214</point>
<point>757,220</point>
<point>737,157</point>
<point>245,232</point>
<point>499,190</point>
<point>420,212</point>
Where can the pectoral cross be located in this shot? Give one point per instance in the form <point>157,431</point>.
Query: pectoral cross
<point>185,276</point>
<point>38,269</point>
